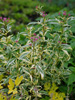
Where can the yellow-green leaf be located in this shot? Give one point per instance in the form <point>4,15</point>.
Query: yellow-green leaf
<point>15,91</point>
<point>47,86</point>
<point>1,86</point>
<point>11,84</point>
<point>18,80</point>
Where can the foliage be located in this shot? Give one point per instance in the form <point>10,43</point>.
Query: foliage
<point>11,85</point>
<point>52,92</point>
<point>68,3</point>
<point>22,11</point>
<point>35,63</point>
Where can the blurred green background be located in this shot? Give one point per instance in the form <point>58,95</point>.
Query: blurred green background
<point>23,11</point>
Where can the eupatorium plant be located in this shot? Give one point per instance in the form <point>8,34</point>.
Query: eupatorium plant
<point>39,62</point>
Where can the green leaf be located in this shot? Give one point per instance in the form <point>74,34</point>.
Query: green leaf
<point>66,54</point>
<point>40,71</point>
<point>24,70</point>
<point>24,54</point>
<point>33,23</point>
<point>71,78</point>
<point>1,57</point>
<point>46,98</point>
<point>2,69</point>
<point>72,69</point>
<point>66,46</point>
<point>1,23</point>
<point>7,79</point>
<point>11,61</point>
<point>73,44</point>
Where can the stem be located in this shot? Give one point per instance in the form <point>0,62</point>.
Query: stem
<point>33,52</point>
<point>67,97</point>
<point>43,38</point>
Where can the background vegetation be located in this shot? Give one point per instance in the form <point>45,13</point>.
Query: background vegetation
<point>23,11</point>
